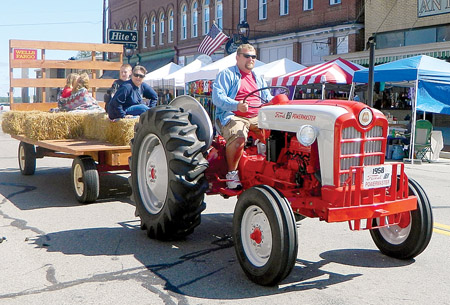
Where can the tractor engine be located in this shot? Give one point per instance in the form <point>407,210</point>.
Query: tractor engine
<point>294,164</point>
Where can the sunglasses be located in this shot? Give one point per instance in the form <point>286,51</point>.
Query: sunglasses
<point>138,75</point>
<point>248,56</point>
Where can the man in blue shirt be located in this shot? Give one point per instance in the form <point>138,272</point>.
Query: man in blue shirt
<point>128,99</point>
<point>234,117</point>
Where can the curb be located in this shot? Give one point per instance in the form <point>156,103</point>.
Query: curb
<point>444,154</point>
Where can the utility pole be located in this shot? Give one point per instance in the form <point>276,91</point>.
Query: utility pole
<point>371,42</point>
<point>104,27</point>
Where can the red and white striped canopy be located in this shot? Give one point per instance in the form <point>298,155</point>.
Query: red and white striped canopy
<point>337,71</point>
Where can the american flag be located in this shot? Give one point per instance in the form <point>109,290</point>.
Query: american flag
<point>212,41</point>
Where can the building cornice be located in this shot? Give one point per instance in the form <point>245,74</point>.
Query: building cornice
<point>332,31</point>
<point>438,49</point>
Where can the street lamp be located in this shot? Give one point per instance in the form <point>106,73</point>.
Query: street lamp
<point>129,51</point>
<point>243,30</point>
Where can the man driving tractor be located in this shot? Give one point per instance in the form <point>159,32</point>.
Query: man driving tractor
<point>234,115</point>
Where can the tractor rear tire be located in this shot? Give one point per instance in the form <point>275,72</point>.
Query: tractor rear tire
<point>167,173</point>
<point>265,235</point>
<point>412,235</point>
<point>27,158</point>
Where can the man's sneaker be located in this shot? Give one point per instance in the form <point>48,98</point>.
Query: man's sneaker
<point>234,183</point>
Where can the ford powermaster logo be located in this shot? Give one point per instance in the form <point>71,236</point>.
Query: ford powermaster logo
<point>294,116</point>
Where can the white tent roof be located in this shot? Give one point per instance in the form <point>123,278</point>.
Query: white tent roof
<point>210,71</point>
<point>156,75</point>
<point>277,68</point>
<point>177,78</point>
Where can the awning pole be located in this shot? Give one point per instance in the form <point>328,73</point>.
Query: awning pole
<point>323,91</point>
<point>413,124</point>
<point>352,92</point>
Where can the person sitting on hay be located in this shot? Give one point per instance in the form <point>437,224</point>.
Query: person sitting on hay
<point>128,100</point>
<point>80,99</point>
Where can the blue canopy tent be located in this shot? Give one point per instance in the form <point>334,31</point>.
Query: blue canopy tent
<point>430,75</point>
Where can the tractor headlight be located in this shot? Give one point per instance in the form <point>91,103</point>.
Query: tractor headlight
<point>306,135</point>
<point>365,117</point>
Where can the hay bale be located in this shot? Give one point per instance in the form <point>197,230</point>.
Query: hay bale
<point>13,122</point>
<point>95,126</point>
<point>122,131</point>
<point>40,125</point>
<point>54,126</point>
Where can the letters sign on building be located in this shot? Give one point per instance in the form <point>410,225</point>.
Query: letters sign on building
<point>432,7</point>
<point>125,37</point>
<point>25,54</point>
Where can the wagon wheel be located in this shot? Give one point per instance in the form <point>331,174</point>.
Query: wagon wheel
<point>265,235</point>
<point>412,235</point>
<point>167,170</point>
<point>85,179</point>
<point>27,158</point>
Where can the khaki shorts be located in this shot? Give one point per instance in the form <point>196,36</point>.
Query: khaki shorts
<point>237,127</point>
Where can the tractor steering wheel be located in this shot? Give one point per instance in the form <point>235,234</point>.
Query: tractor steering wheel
<point>284,90</point>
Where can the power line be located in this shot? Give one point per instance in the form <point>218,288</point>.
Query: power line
<point>385,17</point>
<point>49,23</point>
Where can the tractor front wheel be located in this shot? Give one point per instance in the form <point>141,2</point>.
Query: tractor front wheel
<point>265,235</point>
<point>412,235</point>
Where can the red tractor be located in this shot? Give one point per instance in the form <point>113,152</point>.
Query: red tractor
<point>313,158</point>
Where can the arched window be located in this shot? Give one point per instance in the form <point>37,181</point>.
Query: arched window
<point>194,19</point>
<point>171,26</point>
<point>206,24</point>
<point>262,9</point>
<point>153,31</point>
<point>243,10</point>
<point>284,7</point>
<point>307,5</point>
<point>161,28</point>
<point>184,22</point>
<point>128,26</point>
<point>120,26</point>
<point>135,25</point>
<point>219,14</point>
<point>145,33</point>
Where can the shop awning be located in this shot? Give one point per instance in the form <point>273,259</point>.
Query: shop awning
<point>337,71</point>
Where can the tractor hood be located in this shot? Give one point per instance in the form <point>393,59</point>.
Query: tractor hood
<point>291,117</point>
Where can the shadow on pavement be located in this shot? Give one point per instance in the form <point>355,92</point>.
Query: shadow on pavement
<point>52,187</point>
<point>203,265</point>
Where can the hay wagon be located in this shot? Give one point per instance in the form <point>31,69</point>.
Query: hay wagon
<point>91,157</point>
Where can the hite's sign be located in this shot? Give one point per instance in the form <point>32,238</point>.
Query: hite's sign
<point>25,54</point>
<point>432,7</point>
<point>126,37</point>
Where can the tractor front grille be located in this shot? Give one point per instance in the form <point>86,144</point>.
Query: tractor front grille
<point>359,148</point>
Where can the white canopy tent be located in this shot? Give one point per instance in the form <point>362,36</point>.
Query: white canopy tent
<point>156,76</point>
<point>177,78</point>
<point>210,71</point>
<point>277,68</point>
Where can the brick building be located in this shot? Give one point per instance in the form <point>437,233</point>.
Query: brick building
<point>405,28</point>
<point>302,30</point>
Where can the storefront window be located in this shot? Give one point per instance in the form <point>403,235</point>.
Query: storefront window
<point>420,36</point>
<point>390,40</point>
<point>443,33</point>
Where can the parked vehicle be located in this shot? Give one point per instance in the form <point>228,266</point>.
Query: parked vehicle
<point>4,107</point>
<point>318,158</point>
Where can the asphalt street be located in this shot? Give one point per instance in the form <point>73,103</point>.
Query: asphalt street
<point>54,250</point>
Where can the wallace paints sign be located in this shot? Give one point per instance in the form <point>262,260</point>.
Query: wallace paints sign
<point>25,54</point>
